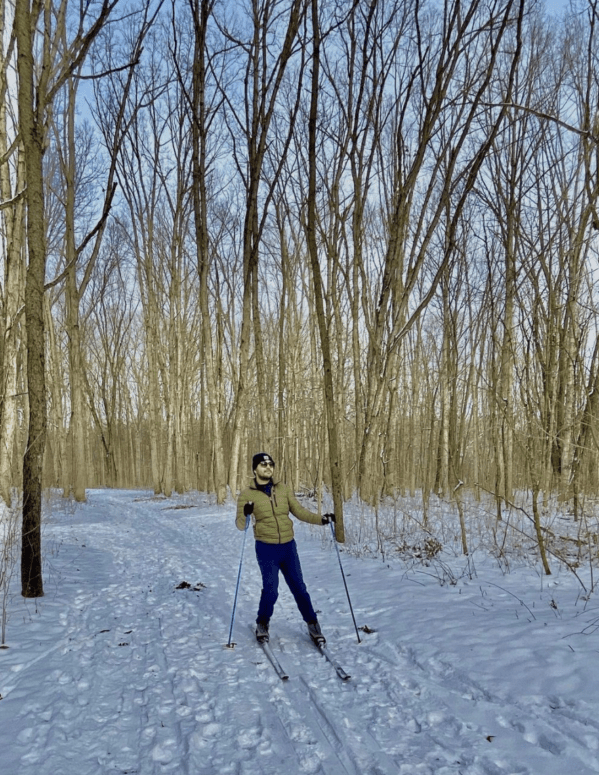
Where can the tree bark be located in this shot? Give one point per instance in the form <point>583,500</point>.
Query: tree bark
<point>32,134</point>
<point>14,281</point>
<point>333,438</point>
<point>202,10</point>
<point>78,467</point>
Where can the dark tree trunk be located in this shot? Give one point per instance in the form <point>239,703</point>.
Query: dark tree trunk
<point>32,136</point>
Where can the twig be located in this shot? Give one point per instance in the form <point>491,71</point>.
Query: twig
<point>492,584</point>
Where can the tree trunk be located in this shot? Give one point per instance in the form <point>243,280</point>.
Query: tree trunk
<point>56,382</point>
<point>212,387</point>
<point>78,468</point>
<point>334,450</point>
<point>12,337</point>
<point>262,88</point>
<point>32,134</point>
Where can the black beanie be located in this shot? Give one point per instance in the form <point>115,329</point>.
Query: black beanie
<point>261,457</point>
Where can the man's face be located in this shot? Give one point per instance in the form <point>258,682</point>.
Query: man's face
<point>264,472</point>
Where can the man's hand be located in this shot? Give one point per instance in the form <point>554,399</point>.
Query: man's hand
<point>326,518</point>
<point>248,508</point>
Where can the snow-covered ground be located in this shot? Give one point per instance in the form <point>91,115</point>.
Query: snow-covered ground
<point>117,670</point>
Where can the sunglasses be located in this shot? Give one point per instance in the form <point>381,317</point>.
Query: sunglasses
<point>267,465</point>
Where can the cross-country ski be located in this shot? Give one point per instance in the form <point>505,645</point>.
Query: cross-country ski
<point>266,647</point>
<point>330,658</point>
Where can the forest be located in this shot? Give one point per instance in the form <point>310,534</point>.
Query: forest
<point>358,234</point>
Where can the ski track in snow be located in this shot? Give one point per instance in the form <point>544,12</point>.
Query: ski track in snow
<point>120,672</point>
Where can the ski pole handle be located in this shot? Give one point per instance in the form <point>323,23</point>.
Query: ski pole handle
<point>248,510</point>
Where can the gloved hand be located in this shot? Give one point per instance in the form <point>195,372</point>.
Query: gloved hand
<point>326,518</point>
<point>247,510</point>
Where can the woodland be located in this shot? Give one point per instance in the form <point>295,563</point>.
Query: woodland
<point>360,235</point>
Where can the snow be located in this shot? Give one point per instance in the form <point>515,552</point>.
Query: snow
<point>470,670</point>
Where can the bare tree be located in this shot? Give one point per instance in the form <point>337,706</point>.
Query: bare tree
<point>12,172</point>
<point>82,256</point>
<point>37,89</point>
<point>250,116</point>
<point>331,414</point>
<point>435,133</point>
<point>203,107</point>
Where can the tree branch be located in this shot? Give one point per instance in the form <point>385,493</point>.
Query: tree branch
<point>546,116</point>
<point>16,198</point>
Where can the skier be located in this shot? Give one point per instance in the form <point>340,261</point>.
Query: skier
<point>276,549</point>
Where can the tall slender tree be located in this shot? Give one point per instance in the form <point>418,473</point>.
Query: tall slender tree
<point>323,327</point>
<point>202,118</point>
<point>38,84</point>
<point>264,69</point>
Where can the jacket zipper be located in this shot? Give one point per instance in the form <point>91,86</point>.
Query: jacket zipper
<point>273,503</point>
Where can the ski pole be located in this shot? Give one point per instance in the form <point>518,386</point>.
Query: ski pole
<point>247,510</point>
<point>344,581</point>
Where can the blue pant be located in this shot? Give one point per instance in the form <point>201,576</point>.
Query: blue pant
<point>273,558</point>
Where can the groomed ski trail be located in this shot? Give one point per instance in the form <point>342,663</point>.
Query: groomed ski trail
<point>119,671</point>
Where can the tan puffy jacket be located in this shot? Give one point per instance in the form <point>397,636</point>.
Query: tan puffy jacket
<point>271,520</point>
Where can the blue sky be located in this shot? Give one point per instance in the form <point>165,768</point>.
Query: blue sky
<point>555,6</point>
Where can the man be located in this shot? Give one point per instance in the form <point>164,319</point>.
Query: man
<point>276,549</point>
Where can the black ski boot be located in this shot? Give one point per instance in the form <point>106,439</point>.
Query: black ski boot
<point>316,633</point>
<point>262,632</point>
